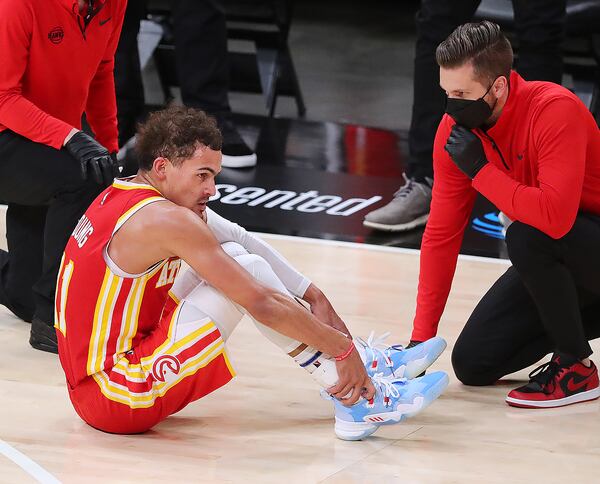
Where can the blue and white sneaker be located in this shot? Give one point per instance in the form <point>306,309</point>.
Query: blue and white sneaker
<point>395,400</point>
<point>396,360</point>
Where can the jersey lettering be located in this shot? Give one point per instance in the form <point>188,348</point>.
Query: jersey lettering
<point>83,231</point>
<point>168,273</point>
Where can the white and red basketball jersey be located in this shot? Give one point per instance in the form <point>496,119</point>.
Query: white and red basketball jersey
<point>102,312</point>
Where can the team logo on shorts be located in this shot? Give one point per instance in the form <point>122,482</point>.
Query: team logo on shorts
<point>56,35</point>
<point>165,365</point>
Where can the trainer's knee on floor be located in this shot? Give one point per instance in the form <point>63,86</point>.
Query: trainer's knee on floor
<point>469,371</point>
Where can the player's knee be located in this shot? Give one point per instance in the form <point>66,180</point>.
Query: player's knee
<point>254,264</point>
<point>233,249</point>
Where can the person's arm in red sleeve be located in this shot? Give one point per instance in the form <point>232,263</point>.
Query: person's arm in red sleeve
<point>101,107</point>
<point>451,206</point>
<point>560,138</point>
<point>16,112</point>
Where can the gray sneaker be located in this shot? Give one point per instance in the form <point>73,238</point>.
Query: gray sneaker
<point>409,208</point>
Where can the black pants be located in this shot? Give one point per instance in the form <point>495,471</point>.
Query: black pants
<point>46,196</point>
<point>549,300</point>
<point>539,25</point>
<point>128,76</point>
<point>201,60</point>
<point>201,54</point>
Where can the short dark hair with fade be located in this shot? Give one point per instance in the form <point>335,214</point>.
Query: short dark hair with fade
<point>481,43</point>
<point>175,133</point>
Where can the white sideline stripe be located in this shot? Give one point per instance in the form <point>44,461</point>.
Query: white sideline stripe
<point>372,247</point>
<point>34,470</point>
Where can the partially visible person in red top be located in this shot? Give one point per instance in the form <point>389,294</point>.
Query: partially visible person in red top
<point>533,149</point>
<point>57,64</point>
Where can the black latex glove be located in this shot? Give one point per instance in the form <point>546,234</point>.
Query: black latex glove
<point>466,150</point>
<point>94,158</point>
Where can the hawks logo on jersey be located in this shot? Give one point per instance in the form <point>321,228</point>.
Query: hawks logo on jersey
<point>164,366</point>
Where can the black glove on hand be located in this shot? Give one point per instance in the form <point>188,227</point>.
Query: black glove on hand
<point>93,157</point>
<point>466,150</point>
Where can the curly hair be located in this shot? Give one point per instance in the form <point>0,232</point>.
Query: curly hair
<point>175,133</point>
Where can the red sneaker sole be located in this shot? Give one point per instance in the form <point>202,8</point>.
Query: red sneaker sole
<point>560,402</point>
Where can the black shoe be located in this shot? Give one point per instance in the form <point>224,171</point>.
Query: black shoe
<point>236,153</point>
<point>18,311</point>
<point>43,336</point>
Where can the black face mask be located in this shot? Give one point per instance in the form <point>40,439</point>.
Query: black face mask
<point>470,113</point>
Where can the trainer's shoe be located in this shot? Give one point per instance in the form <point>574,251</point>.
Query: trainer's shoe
<point>562,381</point>
<point>397,360</point>
<point>236,153</point>
<point>395,400</point>
<point>408,209</point>
<point>43,336</point>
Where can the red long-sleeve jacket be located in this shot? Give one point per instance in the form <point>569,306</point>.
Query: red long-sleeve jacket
<point>544,167</point>
<point>53,68</point>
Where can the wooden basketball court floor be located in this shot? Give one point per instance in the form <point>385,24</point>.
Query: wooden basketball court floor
<point>270,425</point>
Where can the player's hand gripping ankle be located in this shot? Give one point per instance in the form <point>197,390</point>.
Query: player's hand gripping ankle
<point>353,380</point>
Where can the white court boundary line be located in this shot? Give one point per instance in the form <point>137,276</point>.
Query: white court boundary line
<point>33,469</point>
<point>374,248</point>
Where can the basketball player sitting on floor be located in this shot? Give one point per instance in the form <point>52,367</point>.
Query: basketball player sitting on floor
<point>137,348</point>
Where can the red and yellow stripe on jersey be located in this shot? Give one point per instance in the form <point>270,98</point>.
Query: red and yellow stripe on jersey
<point>113,328</point>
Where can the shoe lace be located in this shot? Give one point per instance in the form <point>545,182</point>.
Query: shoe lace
<point>375,347</point>
<point>546,373</point>
<point>386,384</point>
<point>408,187</point>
